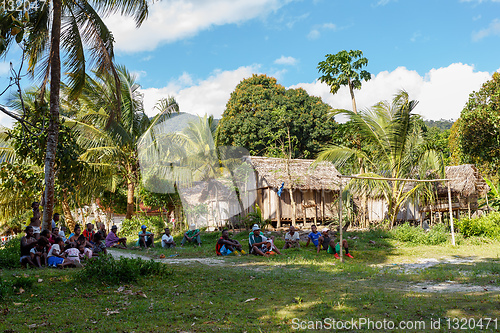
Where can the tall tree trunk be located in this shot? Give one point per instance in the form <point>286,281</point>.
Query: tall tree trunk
<point>53,130</point>
<point>353,100</point>
<point>70,221</point>
<point>130,199</point>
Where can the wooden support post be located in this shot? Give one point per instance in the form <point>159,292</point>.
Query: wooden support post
<point>304,209</point>
<point>468,205</point>
<point>278,213</point>
<point>322,206</point>
<point>340,225</point>
<point>451,215</point>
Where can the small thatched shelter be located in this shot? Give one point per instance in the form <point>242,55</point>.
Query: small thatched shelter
<point>466,186</point>
<point>315,189</point>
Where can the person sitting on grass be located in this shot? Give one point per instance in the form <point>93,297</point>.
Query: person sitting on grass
<point>225,245</point>
<point>292,238</point>
<point>39,252</point>
<point>62,234</point>
<point>260,244</point>
<point>85,252</point>
<point>73,254</point>
<point>330,246</point>
<point>89,233</point>
<point>167,241</point>
<point>99,248</point>
<point>192,235</point>
<point>112,239</point>
<point>77,232</point>
<point>56,256</point>
<point>27,243</point>
<point>146,238</point>
<point>35,224</point>
<point>46,233</point>
<point>313,237</point>
<point>102,231</point>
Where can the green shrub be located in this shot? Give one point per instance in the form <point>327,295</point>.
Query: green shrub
<point>11,253</point>
<point>416,235</point>
<point>109,270</point>
<point>131,227</point>
<point>486,225</point>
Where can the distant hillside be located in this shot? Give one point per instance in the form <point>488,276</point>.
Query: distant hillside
<point>179,121</point>
<point>442,124</point>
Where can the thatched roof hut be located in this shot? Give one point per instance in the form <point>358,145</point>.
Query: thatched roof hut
<point>314,189</point>
<point>304,175</point>
<point>466,181</point>
<point>466,186</point>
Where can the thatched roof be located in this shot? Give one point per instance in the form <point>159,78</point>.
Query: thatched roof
<point>465,180</point>
<point>272,173</point>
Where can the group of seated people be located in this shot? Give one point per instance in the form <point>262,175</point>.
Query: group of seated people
<point>54,249</point>
<point>261,245</point>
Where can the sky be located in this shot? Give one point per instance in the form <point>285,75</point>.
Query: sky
<point>199,50</point>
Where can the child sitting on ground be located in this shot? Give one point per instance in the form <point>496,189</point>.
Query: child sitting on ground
<point>85,252</point>
<point>56,255</point>
<point>39,252</point>
<point>99,248</point>
<point>73,254</point>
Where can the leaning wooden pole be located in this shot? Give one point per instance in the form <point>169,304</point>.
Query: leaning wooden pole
<point>451,215</point>
<point>340,223</point>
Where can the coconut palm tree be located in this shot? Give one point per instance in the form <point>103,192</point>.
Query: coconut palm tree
<point>76,27</point>
<point>396,150</point>
<point>111,143</point>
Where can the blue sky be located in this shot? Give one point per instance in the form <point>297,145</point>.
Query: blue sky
<point>199,50</point>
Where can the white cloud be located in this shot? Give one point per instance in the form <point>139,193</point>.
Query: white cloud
<point>442,93</point>
<point>173,20</point>
<point>286,61</point>
<point>493,29</point>
<point>207,96</point>
<point>315,32</point>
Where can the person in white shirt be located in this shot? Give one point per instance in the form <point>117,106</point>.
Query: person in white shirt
<point>167,241</point>
<point>292,238</point>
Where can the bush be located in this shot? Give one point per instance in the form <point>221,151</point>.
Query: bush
<point>486,225</point>
<point>11,253</point>
<point>416,235</point>
<point>131,227</point>
<point>109,270</point>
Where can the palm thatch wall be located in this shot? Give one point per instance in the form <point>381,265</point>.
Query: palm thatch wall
<point>315,189</point>
<point>466,186</point>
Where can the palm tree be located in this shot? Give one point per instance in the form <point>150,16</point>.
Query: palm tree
<point>112,143</point>
<point>76,27</point>
<point>396,151</point>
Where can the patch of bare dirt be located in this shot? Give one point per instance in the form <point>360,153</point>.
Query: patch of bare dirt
<point>185,261</point>
<point>451,287</point>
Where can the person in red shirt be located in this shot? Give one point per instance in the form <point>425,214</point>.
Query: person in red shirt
<point>89,233</point>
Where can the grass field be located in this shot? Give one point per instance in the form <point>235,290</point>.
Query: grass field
<point>387,283</point>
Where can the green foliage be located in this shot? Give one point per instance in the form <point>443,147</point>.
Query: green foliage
<point>416,235</point>
<point>493,195</point>
<point>10,253</point>
<point>247,120</point>
<point>116,201</point>
<point>479,130</point>
<point>344,69</point>
<point>131,227</point>
<point>441,124</point>
<point>20,185</point>
<point>485,225</point>
<point>255,217</point>
<point>111,271</point>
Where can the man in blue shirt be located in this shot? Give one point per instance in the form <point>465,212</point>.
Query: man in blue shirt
<point>314,237</point>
